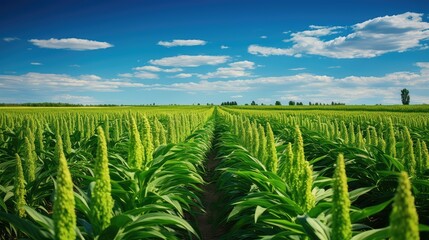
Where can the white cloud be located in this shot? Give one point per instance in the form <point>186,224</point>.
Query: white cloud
<point>145,75</point>
<point>183,75</point>
<point>63,82</point>
<point>141,75</point>
<point>182,42</point>
<point>371,38</point>
<point>77,99</point>
<point>243,64</point>
<point>70,44</point>
<point>189,60</point>
<point>90,77</point>
<point>125,75</point>
<point>235,69</point>
<point>334,67</point>
<point>224,47</point>
<point>299,87</point>
<point>247,84</point>
<point>148,68</point>
<point>321,88</point>
<point>36,63</point>
<point>157,69</point>
<point>237,96</point>
<point>74,65</point>
<point>297,69</point>
<point>10,39</point>
<point>263,37</point>
<point>267,51</point>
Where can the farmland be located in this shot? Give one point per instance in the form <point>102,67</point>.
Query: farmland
<point>204,172</point>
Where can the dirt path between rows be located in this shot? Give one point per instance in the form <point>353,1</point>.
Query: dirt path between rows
<point>208,222</point>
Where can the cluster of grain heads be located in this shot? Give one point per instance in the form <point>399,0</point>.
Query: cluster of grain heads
<point>272,161</point>
<point>341,224</point>
<point>30,160</point>
<point>30,150</point>
<point>135,151</point>
<point>39,133</point>
<point>404,223</point>
<point>88,127</point>
<point>421,156</point>
<point>359,138</point>
<point>19,187</point>
<point>301,175</point>
<point>63,212</point>
<point>101,199</point>
<point>147,141</point>
<point>67,141</point>
<point>374,136</point>
<point>425,156</point>
<point>344,133</point>
<point>106,128</point>
<point>409,160</point>
<point>391,141</point>
<point>262,144</point>
<point>116,131</point>
<point>79,126</point>
<point>171,130</point>
<point>352,135</point>
<point>287,165</point>
<point>255,140</point>
<point>418,156</point>
<point>155,132</point>
<point>161,134</point>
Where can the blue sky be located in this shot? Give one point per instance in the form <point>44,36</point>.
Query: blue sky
<point>185,52</point>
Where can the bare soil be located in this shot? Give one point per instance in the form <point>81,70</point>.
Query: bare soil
<point>208,223</point>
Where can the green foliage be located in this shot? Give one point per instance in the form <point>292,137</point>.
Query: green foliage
<point>163,199</point>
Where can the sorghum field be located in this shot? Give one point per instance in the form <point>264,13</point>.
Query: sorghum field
<point>201,172</point>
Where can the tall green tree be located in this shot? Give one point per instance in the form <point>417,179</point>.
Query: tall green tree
<point>405,96</point>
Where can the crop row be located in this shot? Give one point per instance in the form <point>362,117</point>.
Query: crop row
<point>297,176</point>
<point>102,176</point>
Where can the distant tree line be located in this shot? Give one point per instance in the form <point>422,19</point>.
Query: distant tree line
<point>42,104</point>
<point>51,104</point>
<point>293,103</point>
<point>290,103</point>
<point>228,103</point>
<point>325,104</point>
